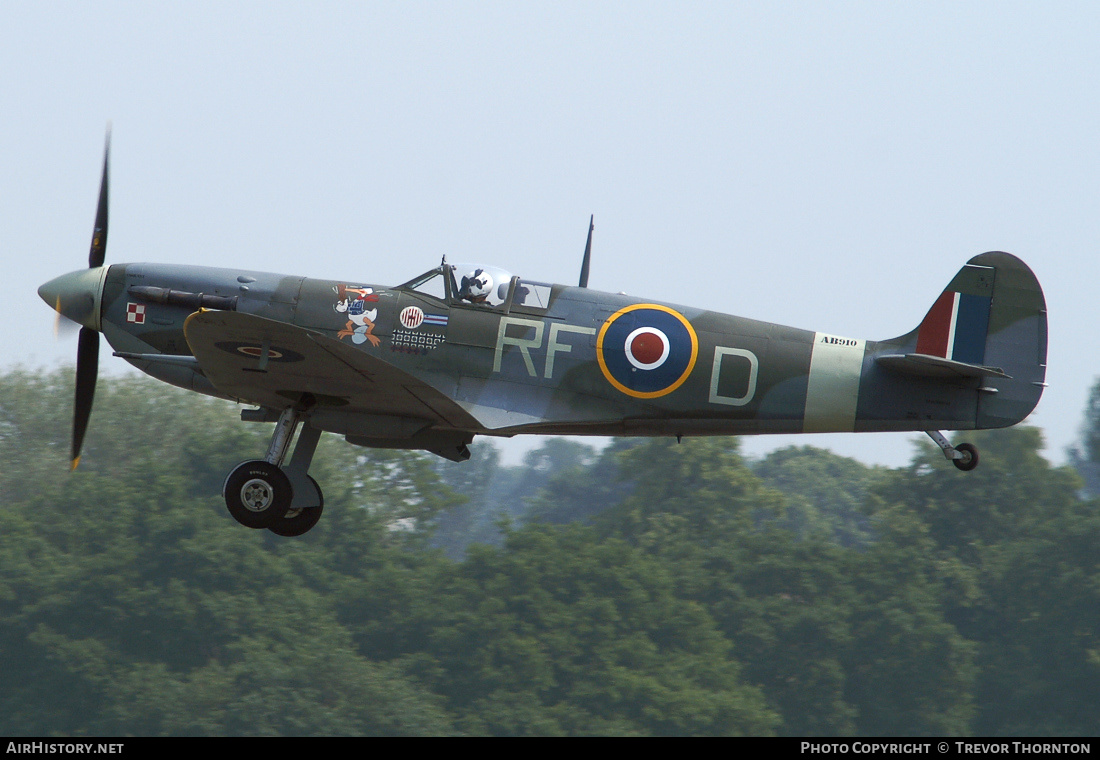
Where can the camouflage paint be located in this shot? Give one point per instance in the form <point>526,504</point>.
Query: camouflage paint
<point>578,361</point>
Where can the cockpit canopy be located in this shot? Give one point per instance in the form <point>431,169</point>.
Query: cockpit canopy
<point>478,284</point>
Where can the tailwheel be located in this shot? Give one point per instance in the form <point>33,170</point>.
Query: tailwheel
<point>969,459</point>
<point>964,456</point>
<point>257,494</point>
<point>299,520</point>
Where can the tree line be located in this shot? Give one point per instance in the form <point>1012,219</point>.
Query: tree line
<point>648,588</point>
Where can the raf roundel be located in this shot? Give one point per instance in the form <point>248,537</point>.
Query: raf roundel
<point>647,350</point>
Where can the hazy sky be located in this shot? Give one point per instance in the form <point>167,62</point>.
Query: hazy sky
<point>824,165</point>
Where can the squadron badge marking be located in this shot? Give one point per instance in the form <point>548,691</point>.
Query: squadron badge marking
<point>353,302</point>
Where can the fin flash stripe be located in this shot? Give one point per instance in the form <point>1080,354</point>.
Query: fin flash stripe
<point>955,328</point>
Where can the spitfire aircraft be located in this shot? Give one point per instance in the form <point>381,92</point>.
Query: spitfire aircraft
<point>467,350</point>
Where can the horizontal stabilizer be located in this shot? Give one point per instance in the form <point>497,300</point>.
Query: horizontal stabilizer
<point>924,365</point>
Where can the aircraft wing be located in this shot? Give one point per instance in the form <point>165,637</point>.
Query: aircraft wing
<point>274,364</point>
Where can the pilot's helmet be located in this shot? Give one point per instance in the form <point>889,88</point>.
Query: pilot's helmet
<point>477,285</point>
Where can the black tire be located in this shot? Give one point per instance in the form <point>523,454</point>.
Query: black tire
<point>298,521</point>
<point>257,494</point>
<point>969,459</point>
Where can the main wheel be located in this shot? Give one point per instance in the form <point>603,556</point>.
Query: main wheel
<point>257,494</point>
<point>969,457</point>
<point>299,521</point>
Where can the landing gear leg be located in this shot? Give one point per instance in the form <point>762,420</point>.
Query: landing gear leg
<point>305,509</point>
<point>964,456</point>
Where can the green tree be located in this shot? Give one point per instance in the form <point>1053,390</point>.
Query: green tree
<point>498,494</point>
<point>130,603</point>
<point>782,602</point>
<point>560,632</point>
<point>786,604</point>
<point>581,485</point>
<point>825,491</point>
<point>813,596</point>
<point>1086,457</point>
<point>1015,551</point>
<point>692,494</point>
<point>909,671</point>
<point>476,481</point>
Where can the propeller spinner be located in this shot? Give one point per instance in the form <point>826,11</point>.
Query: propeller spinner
<point>78,296</point>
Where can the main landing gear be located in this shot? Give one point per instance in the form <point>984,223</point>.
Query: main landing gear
<point>964,456</point>
<point>261,493</point>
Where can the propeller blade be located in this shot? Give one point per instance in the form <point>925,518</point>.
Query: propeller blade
<point>99,236</point>
<point>87,367</point>
<point>62,325</point>
<point>587,253</point>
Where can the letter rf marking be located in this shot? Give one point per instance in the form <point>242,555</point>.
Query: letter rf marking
<point>553,347</point>
<point>523,344</point>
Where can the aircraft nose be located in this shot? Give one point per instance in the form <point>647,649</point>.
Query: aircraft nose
<point>76,295</point>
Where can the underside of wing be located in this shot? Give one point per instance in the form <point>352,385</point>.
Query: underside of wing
<point>276,365</point>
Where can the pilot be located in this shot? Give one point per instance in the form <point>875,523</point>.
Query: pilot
<point>476,286</point>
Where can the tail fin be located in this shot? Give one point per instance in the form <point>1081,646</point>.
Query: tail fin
<point>989,323</point>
